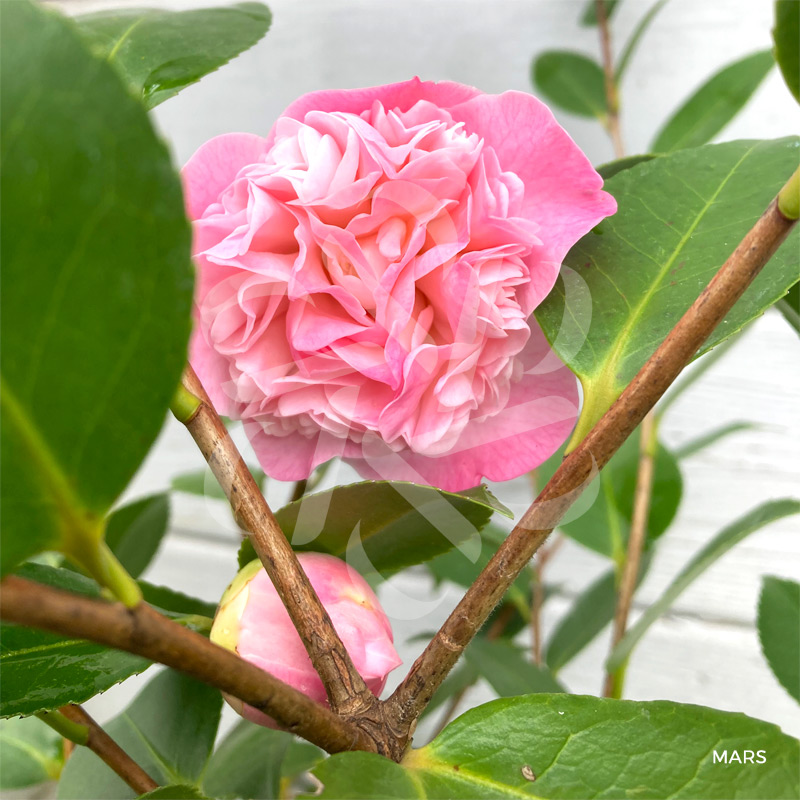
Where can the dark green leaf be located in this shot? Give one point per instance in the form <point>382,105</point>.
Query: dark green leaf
<point>134,532</point>
<point>175,603</point>
<point>504,666</point>
<point>680,216</point>
<point>714,104</point>
<point>157,53</point>
<point>175,792</point>
<point>728,537</point>
<point>42,671</point>
<point>589,17</point>
<point>610,169</point>
<point>786,35</point>
<point>30,753</point>
<point>711,437</point>
<point>586,618</point>
<point>572,81</point>
<point>461,678</point>
<point>247,763</point>
<point>779,630</point>
<point>383,526</point>
<point>789,306</point>
<point>169,730</point>
<point>97,284</point>
<point>576,748</point>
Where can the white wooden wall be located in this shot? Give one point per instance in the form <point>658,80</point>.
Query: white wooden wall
<point>706,651</point>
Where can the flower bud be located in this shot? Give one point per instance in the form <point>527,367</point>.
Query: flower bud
<point>253,622</point>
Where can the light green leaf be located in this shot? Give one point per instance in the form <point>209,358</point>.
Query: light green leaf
<point>589,614</point>
<point>611,168</point>
<point>504,666</point>
<point>97,285</point>
<point>714,104</point>
<point>589,17</point>
<point>383,526</point>
<point>30,753</point>
<point>680,216</point>
<point>572,81</point>
<point>635,38</point>
<point>168,729</point>
<point>728,537</point>
<point>786,36</point>
<point>577,748</point>
<point>157,53</point>
<point>134,532</point>
<point>175,792</point>
<point>42,671</point>
<point>779,630</point>
<point>713,436</point>
<point>247,763</point>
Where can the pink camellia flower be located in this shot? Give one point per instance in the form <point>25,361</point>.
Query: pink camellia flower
<point>367,273</point>
<point>253,622</point>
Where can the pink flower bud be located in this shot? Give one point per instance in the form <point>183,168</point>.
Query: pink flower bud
<point>253,622</point>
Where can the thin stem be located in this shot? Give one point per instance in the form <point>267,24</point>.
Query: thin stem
<point>145,632</point>
<point>594,452</point>
<point>347,692</point>
<point>100,743</point>
<point>537,596</point>
<point>636,540</point>
<point>612,94</point>
<point>71,731</point>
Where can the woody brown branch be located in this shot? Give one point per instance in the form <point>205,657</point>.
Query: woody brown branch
<point>566,485</point>
<point>347,692</point>
<point>145,632</point>
<point>100,743</point>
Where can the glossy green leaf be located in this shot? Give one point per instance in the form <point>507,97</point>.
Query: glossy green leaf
<point>572,81</point>
<point>506,668</point>
<point>611,168</point>
<point>589,614</point>
<point>713,436</point>
<point>175,792</point>
<point>680,216</point>
<point>577,748</point>
<point>134,532</point>
<point>42,671</point>
<point>247,763</point>
<point>168,729</point>
<point>97,284</point>
<point>383,526</point>
<point>175,603</point>
<point>157,53</point>
<point>590,11</point>
<point>779,630</point>
<point>786,36</point>
<point>30,753</point>
<point>728,537</point>
<point>714,104</point>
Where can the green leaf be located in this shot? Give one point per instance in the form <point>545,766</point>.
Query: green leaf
<point>786,36</point>
<point>611,168</point>
<point>714,104</point>
<point>134,532</point>
<point>635,38</point>
<point>789,306</point>
<point>175,603</point>
<point>728,537</point>
<point>713,436</point>
<point>42,671</point>
<point>589,17</point>
<point>383,526</point>
<point>680,216</point>
<point>175,792</point>
<point>779,630</point>
<point>603,523</point>
<point>247,763</point>
<point>157,53</point>
<point>97,285</point>
<point>574,748</point>
<point>458,680</point>
<point>30,753</point>
<point>168,729</point>
<point>301,756</point>
<point>592,610</point>
<point>572,81</point>
<point>504,666</point>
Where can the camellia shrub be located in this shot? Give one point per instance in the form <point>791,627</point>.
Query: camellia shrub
<point>433,285</point>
